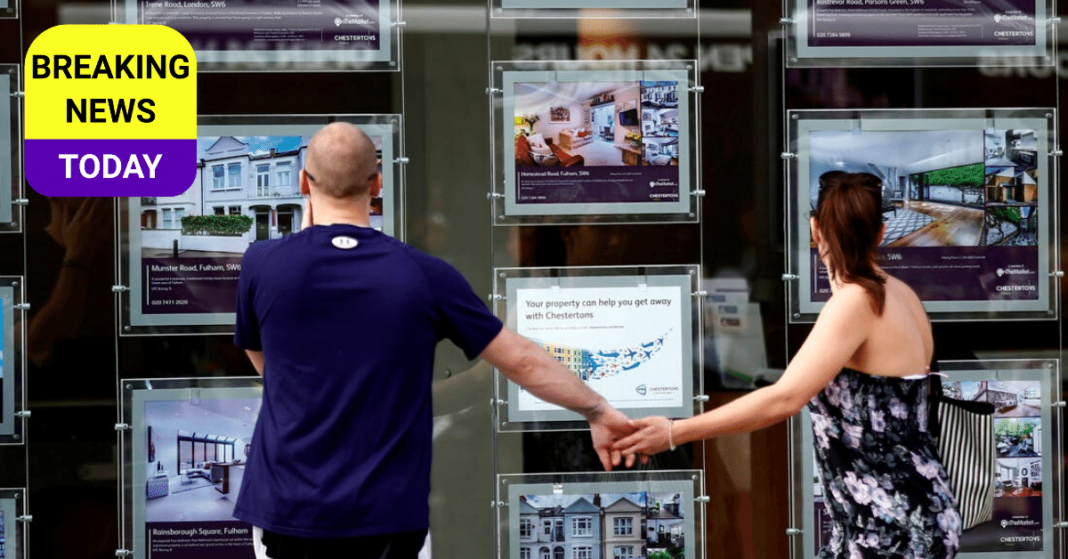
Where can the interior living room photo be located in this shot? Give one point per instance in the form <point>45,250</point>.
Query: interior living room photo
<point>197,449</point>
<point>940,187</point>
<point>603,124</point>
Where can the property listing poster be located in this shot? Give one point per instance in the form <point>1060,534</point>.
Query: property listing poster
<point>10,356</point>
<point>188,469</point>
<point>921,23</point>
<point>1021,520</point>
<point>629,343</point>
<point>186,250</point>
<point>597,142</point>
<point>586,516</point>
<point>5,354</point>
<point>269,25</point>
<point>966,211</point>
<point>7,160</point>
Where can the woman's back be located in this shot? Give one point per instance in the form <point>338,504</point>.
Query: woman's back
<point>899,343</point>
<point>884,485</point>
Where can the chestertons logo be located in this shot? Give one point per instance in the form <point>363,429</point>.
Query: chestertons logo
<point>111,111</point>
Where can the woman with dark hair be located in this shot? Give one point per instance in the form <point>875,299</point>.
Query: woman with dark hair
<point>862,372</point>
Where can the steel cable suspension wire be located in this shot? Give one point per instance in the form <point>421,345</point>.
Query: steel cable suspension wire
<point>494,443</point>
<point>1058,278</point>
<point>25,330</point>
<point>792,425</point>
<point>701,217</point>
<point>120,442</point>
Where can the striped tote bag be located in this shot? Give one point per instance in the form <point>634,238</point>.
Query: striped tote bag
<point>965,434</point>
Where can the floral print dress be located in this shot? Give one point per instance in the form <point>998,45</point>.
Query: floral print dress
<point>884,485</point>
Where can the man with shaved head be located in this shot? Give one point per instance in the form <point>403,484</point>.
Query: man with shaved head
<point>342,321</point>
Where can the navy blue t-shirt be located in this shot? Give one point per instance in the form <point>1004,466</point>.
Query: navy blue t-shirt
<point>343,441</point>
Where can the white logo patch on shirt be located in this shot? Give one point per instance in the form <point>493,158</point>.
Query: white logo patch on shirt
<point>344,242</point>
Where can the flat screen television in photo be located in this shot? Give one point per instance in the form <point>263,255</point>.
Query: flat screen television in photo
<point>596,142</point>
<point>966,204</point>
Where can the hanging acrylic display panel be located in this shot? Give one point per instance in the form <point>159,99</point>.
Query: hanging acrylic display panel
<point>594,141</point>
<point>13,533</point>
<point>11,191</point>
<point>183,452</point>
<point>279,36</point>
<point>1027,438</point>
<point>844,33</point>
<point>179,278</point>
<point>628,332</point>
<point>12,359</point>
<point>641,514</point>
<point>969,205</point>
<point>734,348</point>
<point>9,9</point>
<point>587,9</point>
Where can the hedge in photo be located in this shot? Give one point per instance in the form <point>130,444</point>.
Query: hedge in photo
<point>968,176</point>
<point>225,225</point>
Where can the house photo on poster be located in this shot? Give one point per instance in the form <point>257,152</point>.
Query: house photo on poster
<point>629,338</point>
<point>596,142</point>
<point>1022,516</point>
<point>606,520</point>
<point>185,251</point>
<point>966,209</point>
<point>921,29</point>
<point>271,31</point>
<point>188,463</point>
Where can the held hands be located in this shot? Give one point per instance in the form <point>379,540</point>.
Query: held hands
<point>607,427</point>
<point>651,435</point>
<point>616,438</point>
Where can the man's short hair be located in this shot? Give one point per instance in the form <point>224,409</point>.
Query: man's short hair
<point>341,161</point>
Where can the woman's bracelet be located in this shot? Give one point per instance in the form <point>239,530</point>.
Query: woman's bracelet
<point>671,439</point>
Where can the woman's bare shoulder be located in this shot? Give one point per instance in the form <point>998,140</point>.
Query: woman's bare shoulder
<point>914,316</point>
<point>902,290</point>
<point>850,301</point>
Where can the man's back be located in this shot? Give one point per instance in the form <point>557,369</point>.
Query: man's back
<point>348,319</point>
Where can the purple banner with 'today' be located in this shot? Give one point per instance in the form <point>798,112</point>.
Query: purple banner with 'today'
<point>921,23</point>
<point>111,167</point>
